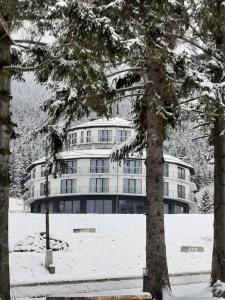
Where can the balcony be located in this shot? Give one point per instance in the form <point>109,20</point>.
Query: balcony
<point>173,194</point>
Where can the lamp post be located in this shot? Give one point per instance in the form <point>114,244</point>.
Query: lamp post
<point>48,254</point>
<point>145,280</point>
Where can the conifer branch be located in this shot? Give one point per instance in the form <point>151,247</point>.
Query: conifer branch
<point>190,41</point>
<point>190,100</point>
<point>125,70</point>
<point>30,42</point>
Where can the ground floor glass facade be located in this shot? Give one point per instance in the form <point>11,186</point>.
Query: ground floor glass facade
<point>104,204</point>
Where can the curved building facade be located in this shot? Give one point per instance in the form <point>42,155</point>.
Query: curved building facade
<point>92,183</point>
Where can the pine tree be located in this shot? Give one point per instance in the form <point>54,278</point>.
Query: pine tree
<point>206,205</point>
<point>112,50</point>
<point>5,131</point>
<point>206,73</point>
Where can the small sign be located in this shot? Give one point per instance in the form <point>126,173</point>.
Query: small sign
<point>191,249</point>
<point>84,230</point>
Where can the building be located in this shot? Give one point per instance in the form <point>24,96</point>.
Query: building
<point>92,183</point>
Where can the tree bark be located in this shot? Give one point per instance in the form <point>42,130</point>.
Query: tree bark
<point>218,259</point>
<point>156,261</point>
<point>5,131</point>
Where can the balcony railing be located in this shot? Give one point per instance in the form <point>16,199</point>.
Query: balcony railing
<point>175,195</point>
<point>110,139</point>
<point>110,170</point>
<point>83,190</point>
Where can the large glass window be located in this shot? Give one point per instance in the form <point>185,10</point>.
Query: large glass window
<point>76,206</point>
<point>122,135</point>
<point>70,167</point>
<point>166,170</point>
<point>99,165</point>
<point>99,206</point>
<point>166,188</point>
<point>181,191</point>
<point>73,138</point>
<point>69,206</point>
<point>105,136</point>
<point>68,186</point>
<point>181,173</point>
<point>131,206</point>
<point>166,208</point>
<point>99,185</point>
<point>178,209</point>
<point>132,186</point>
<point>132,166</point>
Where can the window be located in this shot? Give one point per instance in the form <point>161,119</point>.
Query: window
<point>68,186</point>
<point>122,135</point>
<point>105,136</point>
<point>181,173</point>
<point>99,165</point>
<point>88,136</point>
<point>181,191</point>
<point>99,206</point>
<point>42,170</point>
<point>69,206</point>
<point>70,167</point>
<point>33,173</point>
<point>132,186</point>
<point>73,138</point>
<point>132,166</point>
<point>131,206</point>
<point>99,185</point>
<point>32,191</point>
<point>82,137</point>
<point>178,209</point>
<point>61,206</point>
<point>76,206</point>
<point>166,188</point>
<point>42,188</point>
<point>166,170</point>
<point>166,208</point>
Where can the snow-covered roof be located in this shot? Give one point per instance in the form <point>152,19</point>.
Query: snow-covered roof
<point>174,160</point>
<point>95,153</point>
<point>104,122</point>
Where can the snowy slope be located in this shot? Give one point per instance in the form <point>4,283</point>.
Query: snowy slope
<point>117,249</point>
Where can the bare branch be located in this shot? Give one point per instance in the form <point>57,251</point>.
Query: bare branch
<point>201,137</point>
<point>202,125</point>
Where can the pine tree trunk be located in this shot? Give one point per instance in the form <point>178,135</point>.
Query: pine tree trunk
<point>156,261</point>
<point>218,259</point>
<point>5,130</point>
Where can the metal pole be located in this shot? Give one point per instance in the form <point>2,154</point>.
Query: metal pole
<point>46,204</point>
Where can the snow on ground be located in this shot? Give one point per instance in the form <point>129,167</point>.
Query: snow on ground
<point>117,249</point>
<point>16,205</point>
